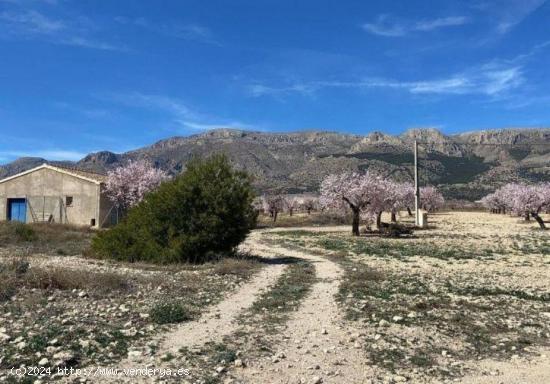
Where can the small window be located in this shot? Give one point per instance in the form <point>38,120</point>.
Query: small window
<point>68,201</point>
<point>92,222</point>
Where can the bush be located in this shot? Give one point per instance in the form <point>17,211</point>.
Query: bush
<point>169,313</point>
<point>9,275</point>
<point>394,230</point>
<point>24,232</point>
<point>204,212</point>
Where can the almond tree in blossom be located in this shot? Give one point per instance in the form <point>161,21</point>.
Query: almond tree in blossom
<point>498,202</point>
<point>430,198</point>
<point>273,204</point>
<point>523,200</point>
<point>351,191</point>
<point>127,185</point>
<point>407,197</point>
<point>391,197</point>
<point>310,203</point>
<point>290,204</point>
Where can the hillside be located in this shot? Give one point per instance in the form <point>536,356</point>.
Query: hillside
<point>465,165</point>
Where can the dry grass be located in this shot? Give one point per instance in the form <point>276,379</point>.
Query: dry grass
<point>302,219</point>
<point>16,275</point>
<point>59,239</point>
<point>243,267</point>
<point>67,279</point>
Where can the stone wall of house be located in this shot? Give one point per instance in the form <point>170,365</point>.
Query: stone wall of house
<point>55,196</point>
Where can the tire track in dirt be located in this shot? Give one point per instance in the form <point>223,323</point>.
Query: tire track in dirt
<point>319,345</point>
<point>212,326</point>
<point>220,320</point>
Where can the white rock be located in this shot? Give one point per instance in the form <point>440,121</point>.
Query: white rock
<point>239,363</point>
<point>134,353</point>
<point>316,380</point>
<point>63,356</point>
<point>43,362</point>
<point>397,319</point>
<point>383,323</point>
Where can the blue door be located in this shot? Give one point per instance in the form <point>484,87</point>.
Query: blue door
<point>17,210</point>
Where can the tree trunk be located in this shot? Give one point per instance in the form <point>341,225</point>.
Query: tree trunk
<point>527,216</point>
<point>290,211</point>
<point>409,211</point>
<point>393,218</point>
<point>379,220</point>
<point>275,216</point>
<point>355,224</point>
<point>309,211</point>
<point>539,220</point>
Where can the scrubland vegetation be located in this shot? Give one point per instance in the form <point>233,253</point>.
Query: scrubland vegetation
<point>185,281</point>
<point>202,213</point>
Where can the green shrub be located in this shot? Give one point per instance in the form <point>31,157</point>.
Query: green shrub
<point>204,212</point>
<point>24,232</point>
<point>169,313</point>
<point>394,230</point>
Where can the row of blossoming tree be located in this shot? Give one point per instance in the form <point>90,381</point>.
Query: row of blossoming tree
<point>273,204</point>
<point>368,195</point>
<point>521,200</point>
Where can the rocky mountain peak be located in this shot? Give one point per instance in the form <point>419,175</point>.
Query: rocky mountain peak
<point>428,134</point>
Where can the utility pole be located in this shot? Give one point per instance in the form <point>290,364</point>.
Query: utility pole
<point>416,189</point>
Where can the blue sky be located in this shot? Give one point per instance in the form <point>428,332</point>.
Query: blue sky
<point>78,75</point>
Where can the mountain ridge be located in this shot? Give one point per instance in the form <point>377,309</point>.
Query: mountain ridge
<point>465,165</point>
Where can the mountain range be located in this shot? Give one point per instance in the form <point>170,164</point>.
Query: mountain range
<point>464,166</point>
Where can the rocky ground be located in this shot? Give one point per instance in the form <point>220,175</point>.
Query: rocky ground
<point>467,300</point>
<point>74,312</point>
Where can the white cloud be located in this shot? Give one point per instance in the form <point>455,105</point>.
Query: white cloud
<point>206,127</point>
<point>388,27</point>
<point>430,25</point>
<point>169,104</point>
<point>490,79</point>
<point>512,12</point>
<point>187,31</point>
<point>30,24</point>
<point>180,114</point>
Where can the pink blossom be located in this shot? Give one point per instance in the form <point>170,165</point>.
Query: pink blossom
<point>520,199</point>
<point>430,198</point>
<point>127,185</point>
